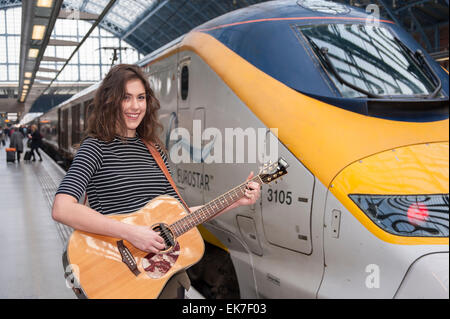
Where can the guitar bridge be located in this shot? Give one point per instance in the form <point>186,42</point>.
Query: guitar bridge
<point>127,258</point>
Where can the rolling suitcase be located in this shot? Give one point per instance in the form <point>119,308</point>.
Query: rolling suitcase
<point>27,156</point>
<point>10,154</point>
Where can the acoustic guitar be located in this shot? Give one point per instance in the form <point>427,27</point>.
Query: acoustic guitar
<point>105,267</point>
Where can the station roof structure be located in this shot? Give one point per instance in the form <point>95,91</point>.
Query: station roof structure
<point>143,26</point>
<point>426,20</point>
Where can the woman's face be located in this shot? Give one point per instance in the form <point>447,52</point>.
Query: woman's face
<point>134,106</point>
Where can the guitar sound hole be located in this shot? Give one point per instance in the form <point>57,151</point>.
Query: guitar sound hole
<point>165,232</point>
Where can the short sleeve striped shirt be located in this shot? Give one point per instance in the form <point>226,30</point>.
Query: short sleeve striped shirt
<point>118,177</point>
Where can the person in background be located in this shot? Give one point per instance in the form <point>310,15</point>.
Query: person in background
<point>2,137</point>
<point>36,142</point>
<point>16,141</point>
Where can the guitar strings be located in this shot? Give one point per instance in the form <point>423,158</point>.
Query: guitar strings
<point>196,214</point>
<point>166,235</point>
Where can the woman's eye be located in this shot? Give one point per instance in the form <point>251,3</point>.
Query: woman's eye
<point>127,98</point>
<point>142,98</point>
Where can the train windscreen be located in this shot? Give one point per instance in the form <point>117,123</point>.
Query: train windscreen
<point>368,60</point>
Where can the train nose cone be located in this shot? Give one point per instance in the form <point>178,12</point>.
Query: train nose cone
<point>421,169</point>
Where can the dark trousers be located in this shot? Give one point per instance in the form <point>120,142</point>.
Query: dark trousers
<point>175,287</point>
<point>35,148</point>
<point>18,155</point>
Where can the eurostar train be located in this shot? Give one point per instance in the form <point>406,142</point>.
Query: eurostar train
<point>358,110</point>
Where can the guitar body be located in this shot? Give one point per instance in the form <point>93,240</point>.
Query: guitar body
<point>97,262</point>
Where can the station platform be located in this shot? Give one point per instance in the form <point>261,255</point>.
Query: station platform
<point>31,264</point>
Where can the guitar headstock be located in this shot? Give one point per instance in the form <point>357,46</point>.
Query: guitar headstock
<point>271,172</point>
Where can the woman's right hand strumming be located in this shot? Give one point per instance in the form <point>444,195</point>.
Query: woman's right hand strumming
<point>145,239</point>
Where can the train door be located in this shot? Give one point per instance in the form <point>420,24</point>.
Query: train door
<point>291,223</point>
<point>186,150</point>
<point>290,226</point>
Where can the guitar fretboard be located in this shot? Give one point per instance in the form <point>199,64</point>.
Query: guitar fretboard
<point>210,209</point>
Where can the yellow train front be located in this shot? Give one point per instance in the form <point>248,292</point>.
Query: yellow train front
<point>361,115</point>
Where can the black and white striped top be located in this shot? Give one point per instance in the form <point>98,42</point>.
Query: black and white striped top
<point>118,177</point>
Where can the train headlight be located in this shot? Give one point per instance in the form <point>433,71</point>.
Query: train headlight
<point>407,215</point>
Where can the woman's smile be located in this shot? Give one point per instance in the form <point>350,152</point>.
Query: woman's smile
<point>132,116</point>
<point>134,106</point>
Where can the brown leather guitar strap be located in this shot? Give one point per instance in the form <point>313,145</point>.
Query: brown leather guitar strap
<point>157,156</point>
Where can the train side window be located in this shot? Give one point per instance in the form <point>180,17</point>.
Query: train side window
<point>76,124</point>
<point>184,82</point>
<point>65,129</point>
<point>88,106</point>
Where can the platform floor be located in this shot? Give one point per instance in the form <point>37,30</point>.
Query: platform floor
<point>32,243</point>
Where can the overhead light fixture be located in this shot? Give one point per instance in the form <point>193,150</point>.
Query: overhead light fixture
<point>442,59</point>
<point>38,32</point>
<point>45,3</point>
<point>33,53</point>
<point>25,87</point>
<point>26,81</point>
<point>28,74</point>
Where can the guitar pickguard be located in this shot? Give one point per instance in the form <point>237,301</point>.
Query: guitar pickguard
<point>157,265</point>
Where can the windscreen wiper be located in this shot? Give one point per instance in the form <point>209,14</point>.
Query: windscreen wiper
<point>324,53</point>
<point>420,59</point>
<point>423,60</point>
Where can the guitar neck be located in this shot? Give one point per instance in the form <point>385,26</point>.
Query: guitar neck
<point>211,209</point>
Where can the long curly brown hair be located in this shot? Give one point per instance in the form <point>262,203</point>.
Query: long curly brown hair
<point>106,120</point>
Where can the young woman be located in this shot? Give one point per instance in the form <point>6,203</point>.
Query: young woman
<point>116,170</point>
